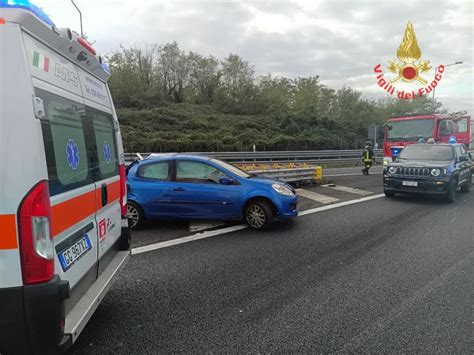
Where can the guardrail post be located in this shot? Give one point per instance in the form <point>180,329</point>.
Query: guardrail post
<point>318,174</point>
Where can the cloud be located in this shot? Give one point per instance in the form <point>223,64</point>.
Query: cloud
<point>340,41</point>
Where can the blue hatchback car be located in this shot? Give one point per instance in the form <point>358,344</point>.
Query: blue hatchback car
<point>176,186</point>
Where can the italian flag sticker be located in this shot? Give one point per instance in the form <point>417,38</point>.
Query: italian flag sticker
<point>40,61</point>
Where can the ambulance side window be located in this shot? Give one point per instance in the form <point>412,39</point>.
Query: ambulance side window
<point>67,154</point>
<point>104,139</point>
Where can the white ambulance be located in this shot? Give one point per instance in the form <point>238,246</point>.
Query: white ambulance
<point>63,229</point>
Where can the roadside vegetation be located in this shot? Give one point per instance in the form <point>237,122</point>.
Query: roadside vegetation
<point>171,100</point>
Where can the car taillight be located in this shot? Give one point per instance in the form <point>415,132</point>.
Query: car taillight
<point>123,190</point>
<point>36,244</point>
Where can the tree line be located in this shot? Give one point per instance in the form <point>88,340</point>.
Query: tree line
<point>172,100</point>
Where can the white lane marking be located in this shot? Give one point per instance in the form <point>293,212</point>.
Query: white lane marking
<point>351,190</point>
<point>197,226</point>
<point>352,174</point>
<point>315,196</point>
<point>191,238</point>
<point>208,234</point>
<point>340,204</point>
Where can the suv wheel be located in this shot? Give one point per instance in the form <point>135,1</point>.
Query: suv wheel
<point>135,214</point>
<point>451,193</point>
<point>389,193</point>
<point>259,215</point>
<point>466,187</point>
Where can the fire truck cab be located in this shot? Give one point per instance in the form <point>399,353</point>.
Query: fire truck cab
<point>404,130</point>
<point>64,234</point>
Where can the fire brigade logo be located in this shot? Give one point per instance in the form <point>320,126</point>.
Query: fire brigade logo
<point>408,53</point>
<point>408,69</point>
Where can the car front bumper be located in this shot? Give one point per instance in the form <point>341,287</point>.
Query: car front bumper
<point>288,206</point>
<point>424,186</point>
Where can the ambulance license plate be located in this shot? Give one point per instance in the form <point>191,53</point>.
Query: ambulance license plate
<point>410,183</point>
<point>73,253</point>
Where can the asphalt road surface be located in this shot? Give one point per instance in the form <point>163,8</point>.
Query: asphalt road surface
<point>359,274</point>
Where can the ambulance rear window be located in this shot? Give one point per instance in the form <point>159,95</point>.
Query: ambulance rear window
<point>65,144</point>
<point>104,133</point>
<point>79,142</point>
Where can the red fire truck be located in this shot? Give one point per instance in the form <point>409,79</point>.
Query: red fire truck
<point>404,130</point>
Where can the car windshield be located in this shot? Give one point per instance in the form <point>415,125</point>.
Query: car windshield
<point>409,130</point>
<point>231,168</point>
<point>427,152</point>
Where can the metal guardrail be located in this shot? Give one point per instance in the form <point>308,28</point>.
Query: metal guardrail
<point>304,156</point>
<point>294,175</point>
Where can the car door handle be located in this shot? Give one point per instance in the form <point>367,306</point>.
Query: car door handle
<point>104,195</point>
<point>179,189</point>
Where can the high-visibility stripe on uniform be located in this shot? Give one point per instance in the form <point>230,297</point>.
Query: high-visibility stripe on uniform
<point>8,235</point>
<point>367,157</point>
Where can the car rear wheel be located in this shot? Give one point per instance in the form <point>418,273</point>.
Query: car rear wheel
<point>389,193</point>
<point>466,187</point>
<point>451,193</point>
<point>135,214</point>
<point>259,215</point>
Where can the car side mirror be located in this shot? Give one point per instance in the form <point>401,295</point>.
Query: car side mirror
<point>464,158</point>
<point>224,180</point>
<point>470,155</point>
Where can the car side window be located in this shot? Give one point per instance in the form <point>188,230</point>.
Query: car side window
<point>460,151</point>
<point>193,171</point>
<point>154,171</point>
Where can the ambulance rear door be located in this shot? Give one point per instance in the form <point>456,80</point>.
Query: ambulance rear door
<point>59,105</point>
<point>107,179</point>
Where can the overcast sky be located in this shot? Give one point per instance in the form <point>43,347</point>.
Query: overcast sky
<point>341,41</point>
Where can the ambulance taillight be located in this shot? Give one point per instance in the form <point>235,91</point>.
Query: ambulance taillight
<point>36,244</point>
<point>123,190</point>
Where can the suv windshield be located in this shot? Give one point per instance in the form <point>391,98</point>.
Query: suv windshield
<point>409,130</point>
<point>427,152</point>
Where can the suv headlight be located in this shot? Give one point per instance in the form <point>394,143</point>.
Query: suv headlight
<point>436,172</point>
<point>282,189</point>
<point>392,170</point>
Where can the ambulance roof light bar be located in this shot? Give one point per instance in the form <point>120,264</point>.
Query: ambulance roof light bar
<point>67,42</point>
<point>27,5</point>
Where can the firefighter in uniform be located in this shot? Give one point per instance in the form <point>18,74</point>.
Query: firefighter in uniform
<point>367,158</point>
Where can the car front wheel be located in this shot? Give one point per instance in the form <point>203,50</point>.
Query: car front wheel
<point>259,215</point>
<point>135,214</point>
<point>466,187</point>
<point>451,193</point>
<point>389,193</point>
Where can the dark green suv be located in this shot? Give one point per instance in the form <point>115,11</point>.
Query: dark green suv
<point>436,169</point>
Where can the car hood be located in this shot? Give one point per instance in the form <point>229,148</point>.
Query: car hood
<point>267,181</point>
<point>421,163</point>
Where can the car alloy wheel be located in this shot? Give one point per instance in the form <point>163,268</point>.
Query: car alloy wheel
<point>133,215</point>
<point>255,216</point>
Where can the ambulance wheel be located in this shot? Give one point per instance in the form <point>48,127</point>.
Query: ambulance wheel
<point>135,215</point>
<point>125,238</point>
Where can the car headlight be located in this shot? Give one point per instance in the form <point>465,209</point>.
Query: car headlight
<point>436,172</point>
<point>282,189</point>
<point>392,170</point>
